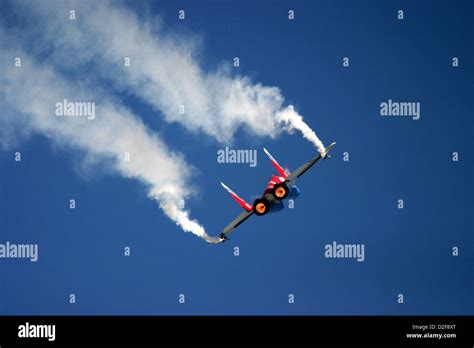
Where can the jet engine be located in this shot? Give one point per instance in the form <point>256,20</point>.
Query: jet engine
<point>280,191</point>
<point>260,206</point>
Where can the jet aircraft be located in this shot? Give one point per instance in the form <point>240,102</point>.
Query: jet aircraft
<point>279,187</point>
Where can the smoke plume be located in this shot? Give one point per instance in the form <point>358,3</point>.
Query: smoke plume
<point>292,120</point>
<point>164,69</point>
<point>28,99</point>
<point>98,52</point>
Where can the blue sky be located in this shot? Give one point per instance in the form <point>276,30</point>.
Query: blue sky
<point>407,251</point>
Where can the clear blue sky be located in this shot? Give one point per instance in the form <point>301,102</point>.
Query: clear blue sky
<point>407,251</point>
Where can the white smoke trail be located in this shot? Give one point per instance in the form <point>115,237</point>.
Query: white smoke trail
<point>28,98</point>
<point>292,120</point>
<point>164,70</point>
<point>181,217</point>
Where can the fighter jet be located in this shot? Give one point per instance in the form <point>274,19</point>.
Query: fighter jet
<point>278,188</point>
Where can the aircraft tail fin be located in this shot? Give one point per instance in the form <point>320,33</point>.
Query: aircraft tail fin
<point>239,200</point>
<point>283,172</point>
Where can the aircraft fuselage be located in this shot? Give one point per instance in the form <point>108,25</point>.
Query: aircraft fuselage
<point>274,204</point>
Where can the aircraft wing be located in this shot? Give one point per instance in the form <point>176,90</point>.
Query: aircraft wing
<point>236,222</point>
<point>302,169</point>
